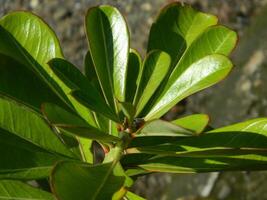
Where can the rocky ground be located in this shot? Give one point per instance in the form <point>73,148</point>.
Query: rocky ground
<point>243,95</point>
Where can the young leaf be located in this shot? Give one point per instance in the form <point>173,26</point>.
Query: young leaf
<point>133,73</point>
<point>21,159</point>
<point>132,196</point>
<point>17,190</point>
<point>109,47</point>
<point>30,41</point>
<point>128,109</point>
<point>156,66</point>
<point>26,123</point>
<point>70,180</point>
<point>195,123</point>
<point>201,74</point>
<point>176,27</point>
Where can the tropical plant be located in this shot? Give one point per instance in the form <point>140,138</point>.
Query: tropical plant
<point>54,118</point>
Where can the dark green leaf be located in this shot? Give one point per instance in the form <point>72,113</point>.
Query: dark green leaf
<point>21,159</point>
<point>89,132</point>
<point>176,27</point>
<point>16,190</point>
<point>17,81</point>
<point>87,100</point>
<point>71,180</point>
<point>109,47</point>
<point>133,70</point>
<point>236,147</point>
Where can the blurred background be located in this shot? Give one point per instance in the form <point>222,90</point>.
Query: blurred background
<point>241,96</point>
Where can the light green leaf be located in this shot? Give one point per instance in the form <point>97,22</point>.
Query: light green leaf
<point>30,41</point>
<point>162,128</point>
<point>20,120</point>
<point>16,190</point>
<point>156,66</point>
<point>196,123</point>
<point>132,196</point>
<point>201,74</point>
<point>176,27</point>
<point>236,147</point>
<point>21,159</point>
<point>133,74</point>
<point>109,47</point>
<point>71,180</point>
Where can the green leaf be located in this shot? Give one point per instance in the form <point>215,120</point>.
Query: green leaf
<point>156,66</point>
<point>195,123</point>
<point>128,109</point>
<point>133,75</point>
<point>216,40</point>
<point>237,147</point>
<point>73,124</point>
<point>162,128</point>
<point>176,27</point>
<point>21,159</point>
<point>30,41</point>
<point>71,180</point>
<point>102,108</point>
<point>72,77</point>
<point>16,190</point>
<point>109,47</point>
<point>17,81</point>
<point>20,120</point>
<point>89,132</point>
<point>132,196</point>
<point>201,74</point>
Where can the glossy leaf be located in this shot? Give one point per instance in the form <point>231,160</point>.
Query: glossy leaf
<point>109,47</point>
<point>89,132</point>
<point>176,27</point>
<point>17,81</point>
<point>133,75</point>
<point>29,125</point>
<point>73,124</point>
<point>195,123</point>
<point>17,190</point>
<point>30,41</point>
<point>21,159</point>
<point>201,74</point>
<point>72,77</point>
<point>105,110</point>
<point>132,196</point>
<point>156,66</point>
<point>216,40</point>
<point>71,180</point>
<point>162,128</point>
<point>236,147</point>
